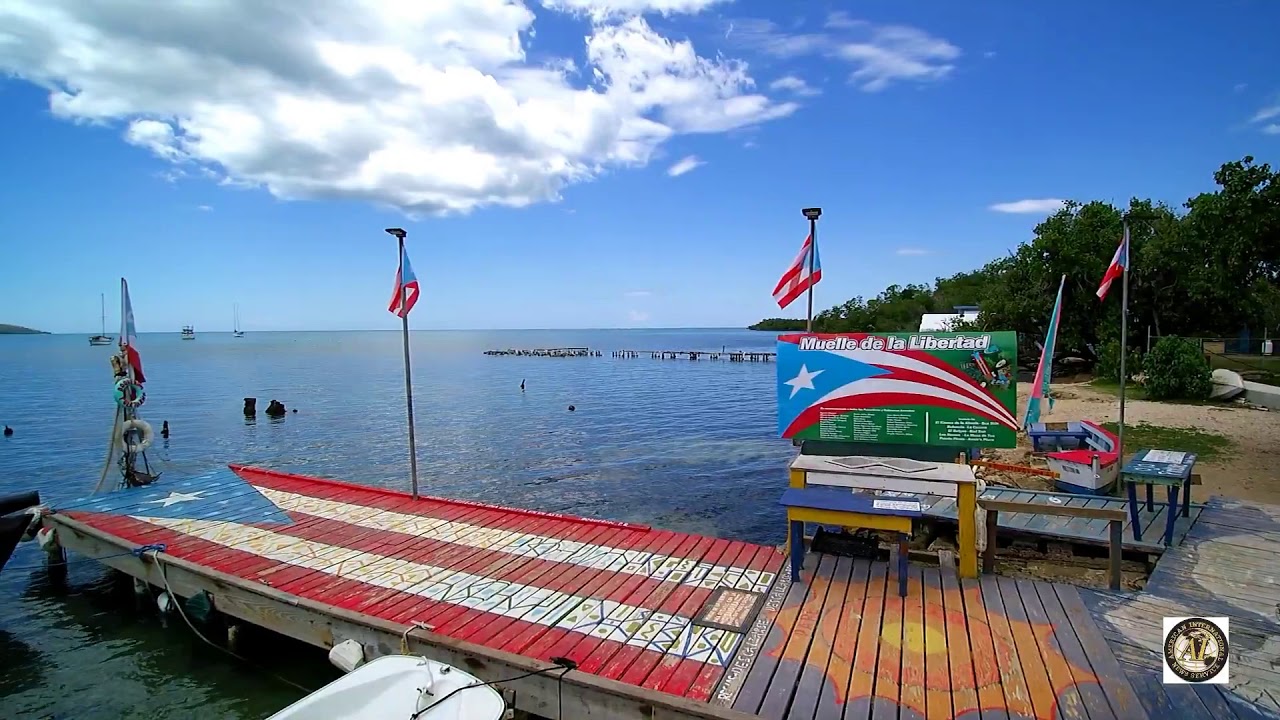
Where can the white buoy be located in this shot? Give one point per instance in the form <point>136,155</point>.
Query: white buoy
<point>347,655</point>
<point>165,603</point>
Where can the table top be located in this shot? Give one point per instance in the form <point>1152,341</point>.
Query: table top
<point>1168,466</point>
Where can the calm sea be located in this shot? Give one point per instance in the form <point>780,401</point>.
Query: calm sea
<point>673,443</point>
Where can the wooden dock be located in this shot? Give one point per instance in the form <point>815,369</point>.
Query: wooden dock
<point>730,355</point>
<point>547,352</point>
<point>1228,565</point>
<point>660,624</point>
<point>1077,530</point>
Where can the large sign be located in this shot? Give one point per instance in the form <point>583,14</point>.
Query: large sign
<point>927,388</point>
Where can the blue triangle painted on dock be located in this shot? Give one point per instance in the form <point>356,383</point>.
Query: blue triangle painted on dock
<point>215,495</point>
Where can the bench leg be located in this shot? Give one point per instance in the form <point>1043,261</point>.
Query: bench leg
<point>797,549</point>
<point>902,564</point>
<point>1151,506</point>
<point>1134,523</point>
<point>1186,497</point>
<point>1171,515</point>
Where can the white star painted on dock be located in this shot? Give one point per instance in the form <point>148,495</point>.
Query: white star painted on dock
<point>803,380</point>
<point>177,497</point>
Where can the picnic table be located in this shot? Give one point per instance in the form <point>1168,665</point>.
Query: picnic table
<point>1171,468</point>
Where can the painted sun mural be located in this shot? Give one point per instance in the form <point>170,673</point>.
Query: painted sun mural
<point>923,638</point>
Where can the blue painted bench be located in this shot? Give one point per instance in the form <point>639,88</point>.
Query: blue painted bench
<point>844,508</point>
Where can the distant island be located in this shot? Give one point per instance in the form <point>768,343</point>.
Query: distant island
<point>19,330</point>
<point>778,324</point>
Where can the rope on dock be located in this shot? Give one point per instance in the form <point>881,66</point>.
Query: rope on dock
<point>136,552</point>
<point>178,604</point>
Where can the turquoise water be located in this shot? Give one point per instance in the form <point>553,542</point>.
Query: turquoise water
<point>677,444</point>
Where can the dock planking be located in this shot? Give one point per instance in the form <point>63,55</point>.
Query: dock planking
<point>501,589</point>
<point>1225,566</point>
<point>1091,532</point>
<point>845,645</point>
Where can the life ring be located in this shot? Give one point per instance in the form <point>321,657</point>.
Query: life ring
<point>129,393</point>
<point>143,428</point>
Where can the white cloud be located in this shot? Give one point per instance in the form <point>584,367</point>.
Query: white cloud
<point>600,9</point>
<point>791,83</point>
<point>914,251</point>
<point>637,293</point>
<point>1030,206</point>
<point>637,316</point>
<point>1272,129</point>
<point>209,208</point>
<point>424,106</point>
<point>1266,113</point>
<point>880,55</point>
<point>686,164</point>
<point>1240,87</point>
<point>843,20</point>
<point>989,54</point>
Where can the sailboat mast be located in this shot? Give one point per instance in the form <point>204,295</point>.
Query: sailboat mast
<point>102,300</point>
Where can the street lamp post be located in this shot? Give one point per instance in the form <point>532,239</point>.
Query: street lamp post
<point>812,214</point>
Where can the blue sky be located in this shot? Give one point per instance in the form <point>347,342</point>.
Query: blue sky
<point>535,176</point>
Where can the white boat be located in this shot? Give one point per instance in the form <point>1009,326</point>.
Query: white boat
<point>188,332</point>
<point>400,686</point>
<point>1226,384</point>
<point>1090,471</point>
<point>103,338</point>
<point>235,327</point>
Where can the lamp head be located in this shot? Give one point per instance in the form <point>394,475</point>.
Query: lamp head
<point>397,232</point>
<point>812,213</point>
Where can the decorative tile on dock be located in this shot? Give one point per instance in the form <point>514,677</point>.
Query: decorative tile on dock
<point>845,645</point>
<point>621,600</point>
<point>1081,530</point>
<point>1228,565</point>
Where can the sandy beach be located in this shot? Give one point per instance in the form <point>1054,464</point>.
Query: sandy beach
<point>1248,470</point>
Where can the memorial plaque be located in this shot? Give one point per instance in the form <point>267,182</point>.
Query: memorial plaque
<point>730,609</point>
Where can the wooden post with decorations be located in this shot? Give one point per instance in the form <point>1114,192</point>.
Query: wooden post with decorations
<point>967,542</point>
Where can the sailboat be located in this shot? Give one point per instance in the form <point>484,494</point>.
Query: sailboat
<point>235,329</point>
<point>103,338</point>
<point>188,332</point>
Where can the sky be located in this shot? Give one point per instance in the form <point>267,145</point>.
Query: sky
<point>582,163</point>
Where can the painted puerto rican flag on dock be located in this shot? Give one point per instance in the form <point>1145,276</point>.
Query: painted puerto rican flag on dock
<point>830,382</point>
<point>619,599</point>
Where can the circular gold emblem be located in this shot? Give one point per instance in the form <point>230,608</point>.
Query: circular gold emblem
<point>1196,650</point>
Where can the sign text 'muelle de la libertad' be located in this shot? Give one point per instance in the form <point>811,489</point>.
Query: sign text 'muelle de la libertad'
<point>928,388</point>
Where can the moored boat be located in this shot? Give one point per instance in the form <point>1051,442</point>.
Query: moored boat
<point>188,332</point>
<point>400,686</point>
<point>102,338</point>
<point>1226,384</point>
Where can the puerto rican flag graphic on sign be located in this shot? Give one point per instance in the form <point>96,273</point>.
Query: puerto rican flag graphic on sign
<point>830,382</point>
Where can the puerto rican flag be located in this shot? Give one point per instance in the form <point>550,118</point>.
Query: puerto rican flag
<point>796,280</point>
<point>129,333</point>
<point>831,382</point>
<point>1119,264</point>
<point>619,599</point>
<point>406,293</point>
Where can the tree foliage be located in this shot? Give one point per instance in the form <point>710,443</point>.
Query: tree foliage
<point>1177,370</point>
<point>779,324</point>
<point>1210,268</point>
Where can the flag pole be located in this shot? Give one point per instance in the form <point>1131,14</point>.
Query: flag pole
<point>812,214</point>
<point>408,375</point>
<point>1124,337</point>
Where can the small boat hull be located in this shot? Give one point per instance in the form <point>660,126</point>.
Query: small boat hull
<point>1084,472</point>
<point>390,687</point>
<point>100,340</point>
<point>1226,385</point>
<point>14,522</point>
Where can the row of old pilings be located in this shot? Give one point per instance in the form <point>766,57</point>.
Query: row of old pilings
<point>275,408</point>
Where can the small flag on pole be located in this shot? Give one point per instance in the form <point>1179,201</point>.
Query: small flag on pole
<point>406,288</point>
<point>129,333</point>
<point>1044,371</point>
<point>1119,264</point>
<point>797,279</point>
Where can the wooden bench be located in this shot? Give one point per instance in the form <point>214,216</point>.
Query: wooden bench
<point>905,476</point>
<point>844,508</point>
<point>1114,518</point>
